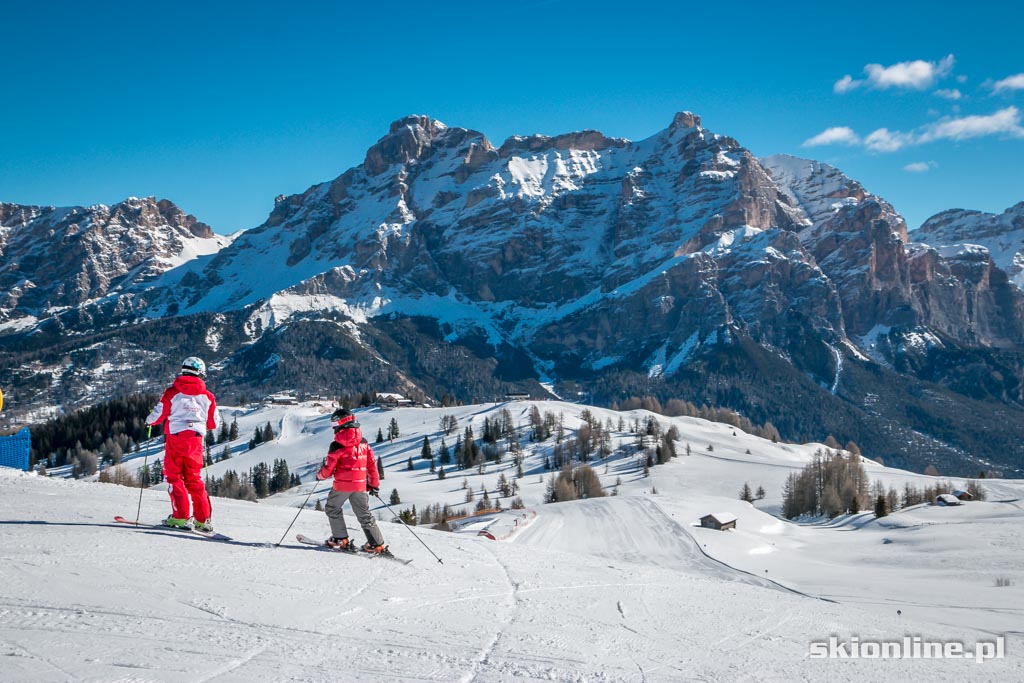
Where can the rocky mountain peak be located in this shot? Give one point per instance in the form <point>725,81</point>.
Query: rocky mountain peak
<point>54,257</point>
<point>684,119</point>
<point>408,139</point>
<point>583,141</point>
<point>1002,235</point>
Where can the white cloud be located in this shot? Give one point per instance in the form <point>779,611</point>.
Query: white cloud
<point>839,135</point>
<point>845,84</point>
<point>949,94</point>
<point>885,140</point>
<point>919,166</point>
<point>1006,122</point>
<point>1015,82</point>
<point>1003,122</point>
<point>915,75</point>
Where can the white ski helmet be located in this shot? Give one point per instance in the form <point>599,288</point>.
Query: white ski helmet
<point>193,366</point>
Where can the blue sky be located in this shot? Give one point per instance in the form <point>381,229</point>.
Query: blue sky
<point>220,107</point>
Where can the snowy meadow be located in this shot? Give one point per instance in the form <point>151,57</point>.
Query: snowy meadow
<point>625,587</point>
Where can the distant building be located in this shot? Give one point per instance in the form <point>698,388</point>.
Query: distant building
<point>718,520</point>
<point>944,499</point>
<point>517,396</point>
<point>963,495</point>
<point>281,399</point>
<point>394,401</point>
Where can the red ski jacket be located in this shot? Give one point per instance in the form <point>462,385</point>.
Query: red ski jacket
<point>351,462</point>
<point>186,406</point>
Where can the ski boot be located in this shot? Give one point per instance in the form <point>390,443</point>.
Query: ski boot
<point>176,523</point>
<point>372,549</point>
<point>342,543</point>
<point>205,527</point>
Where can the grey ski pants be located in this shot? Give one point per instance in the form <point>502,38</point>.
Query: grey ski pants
<point>360,506</point>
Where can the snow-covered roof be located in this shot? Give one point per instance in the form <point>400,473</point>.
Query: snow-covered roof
<point>722,517</point>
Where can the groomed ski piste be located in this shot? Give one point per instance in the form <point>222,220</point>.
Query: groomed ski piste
<point>621,588</point>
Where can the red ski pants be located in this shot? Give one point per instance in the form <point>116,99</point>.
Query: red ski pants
<point>183,466</point>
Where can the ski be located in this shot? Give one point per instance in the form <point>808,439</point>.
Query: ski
<point>322,546</point>
<point>212,535</point>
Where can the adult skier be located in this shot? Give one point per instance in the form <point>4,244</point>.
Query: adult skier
<point>187,410</point>
<point>350,461</point>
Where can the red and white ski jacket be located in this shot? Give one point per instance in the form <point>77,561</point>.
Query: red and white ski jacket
<point>186,406</point>
<point>351,462</point>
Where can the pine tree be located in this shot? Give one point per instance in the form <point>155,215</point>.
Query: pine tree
<point>409,465</point>
<point>380,436</point>
<point>233,432</point>
<point>760,493</point>
<point>380,468</point>
<point>395,498</point>
<point>881,506</point>
<point>280,479</point>
<point>745,493</point>
<point>441,473</point>
<point>443,456</point>
<point>260,477</point>
<point>425,452</point>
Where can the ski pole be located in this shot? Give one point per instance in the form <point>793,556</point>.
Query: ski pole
<point>301,508</point>
<point>142,485</point>
<point>408,527</point>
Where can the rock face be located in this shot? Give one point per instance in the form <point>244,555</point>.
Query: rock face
<point>679,265</point>
<point>1001,234</point>
<point>599,230</point>
<point>52,258</point>
<point>884,280</point>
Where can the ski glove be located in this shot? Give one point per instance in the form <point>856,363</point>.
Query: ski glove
<point>373,490</point>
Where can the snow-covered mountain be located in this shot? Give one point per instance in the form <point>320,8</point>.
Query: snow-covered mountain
<point>677,266</point>
<point>59,260</point>
<point>622,588</point>
<point>957,231</point>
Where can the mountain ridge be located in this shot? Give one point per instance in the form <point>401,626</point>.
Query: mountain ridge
<point>576,259</point>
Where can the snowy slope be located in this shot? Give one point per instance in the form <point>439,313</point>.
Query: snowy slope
<point>623,588</point>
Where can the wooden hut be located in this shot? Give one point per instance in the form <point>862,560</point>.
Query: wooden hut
<point>718,520</point>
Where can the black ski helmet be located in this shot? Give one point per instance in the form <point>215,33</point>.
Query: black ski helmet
<point>344,419</point>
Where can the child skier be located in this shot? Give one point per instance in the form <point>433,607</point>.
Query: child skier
<point>187,410</point>
<point>350,461</point>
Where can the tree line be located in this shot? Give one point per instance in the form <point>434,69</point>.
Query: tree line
<point>836,483</point>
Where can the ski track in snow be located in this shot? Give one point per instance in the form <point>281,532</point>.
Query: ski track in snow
<point>232,665</point>
<point>623,588</point>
